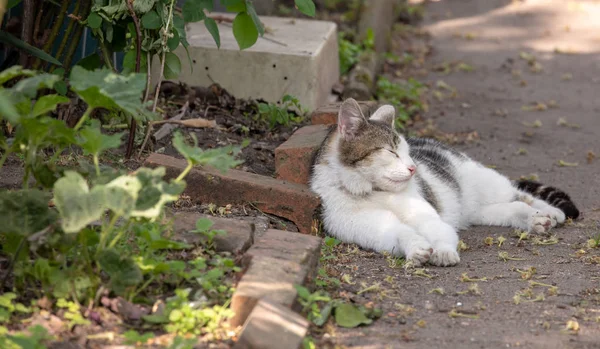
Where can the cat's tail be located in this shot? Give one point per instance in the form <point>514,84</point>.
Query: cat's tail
<point>551,195</point>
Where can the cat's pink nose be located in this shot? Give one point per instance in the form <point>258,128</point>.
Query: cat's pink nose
<point>412,169</point>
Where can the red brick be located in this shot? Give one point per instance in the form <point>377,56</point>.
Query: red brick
<point>237,240</point>
<point>274,264</point>
<point>293,158</point>
<point>328,114</point>
<point>292,201</point>
<point>272,326</point>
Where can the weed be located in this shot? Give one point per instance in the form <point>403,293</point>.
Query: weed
<point>290,111</point>
<point>438,290</point>
<point>406,97</point>
<point>503,256</point>
<point>457,313</point>
<point>465,278</point>
<point>473,289</point>
<point>350,53</point>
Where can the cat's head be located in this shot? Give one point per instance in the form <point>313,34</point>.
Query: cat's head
<point>373,148</point>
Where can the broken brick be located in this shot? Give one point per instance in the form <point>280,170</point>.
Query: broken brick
<point>291,201</point>
<point>275,263</point>
<point>328,114</point>
<point>293,158</point>
<point>272,326</point>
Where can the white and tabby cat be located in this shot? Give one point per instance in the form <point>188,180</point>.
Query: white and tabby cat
<point>410,197</point>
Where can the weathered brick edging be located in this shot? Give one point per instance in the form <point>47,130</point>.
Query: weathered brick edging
<point>288,200</point>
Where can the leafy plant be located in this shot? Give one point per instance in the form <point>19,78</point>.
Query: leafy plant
<point>350,53</point>
<point>405,96</point>
<point>280,114</point>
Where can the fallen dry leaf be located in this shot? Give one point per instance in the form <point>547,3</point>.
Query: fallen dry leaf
<point>590,156</point>
<point>562,163</point>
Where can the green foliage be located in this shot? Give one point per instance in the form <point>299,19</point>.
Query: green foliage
<point>290,111</point>
<point>8,307</point>
<point>405,96</point>
<point>319,306</point>
<point>350,52</point>
<point>35,338</point>
<point>7,38</point>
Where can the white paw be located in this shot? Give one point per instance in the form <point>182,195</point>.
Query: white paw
<point>444,256</point>
<point>540,223</point>
<point>419,254</point>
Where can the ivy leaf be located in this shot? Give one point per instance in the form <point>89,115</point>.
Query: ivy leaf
<point>123,271</point>
<point>302,292</point>
<point>174,41</point>
<point>90,62</point>
<point>244,30</point>
<point>257,23</point>
<point>324,315</point>
<point>129,61</point>
<point>13,72</point>
<point>47,104</point>
<point>172,66</point>
<point>121,194</point>
<point>179,25</point>
<point>306,6</point>
<point>155,192</point>
<point>234,5</point>
<point>25,212</point>
<point>213,29</point>
<point>104,89</point>
<point>77,205</point>
<point>220,158</point>
<point>94,20</point>
<point>30,86</point>
<point>93,142</point>
<point>347,315</point>
<point>7,108</point>
<point>151,20</point>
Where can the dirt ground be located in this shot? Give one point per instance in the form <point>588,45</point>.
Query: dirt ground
<point>523,53</point>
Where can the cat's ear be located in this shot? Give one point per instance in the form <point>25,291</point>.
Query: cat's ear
<point>350,118</point>
<point>385,113</point>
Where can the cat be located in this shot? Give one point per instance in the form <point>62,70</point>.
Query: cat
<point>410,197</point>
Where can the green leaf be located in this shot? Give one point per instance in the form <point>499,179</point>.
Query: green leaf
<point>104,89</point>
<point>213,29</point>
<point>7,108</point>
<point>220,158</point>
<point>22,45</point>
<point>325,313</point>
<point>155,192</point>
<point>244,30</point>
<point>234,5</point>
<point>132,337</point>
<point>203,224</point>
<point>121,194</point>
<point>90,62</point>
<point>257,23</point>
<point>30,86</point>
<point>172,66</point>
<point>77,205</point>
<point>303,292</point>
<point>173,42</point>
<point>151,20</point>
<point>47,104</point>
<point>347,315</point>
<point>25,212</point>
<point>93,142</point>
<point>193,10</point>
<point>306,6</point>
<point>94,21</point>
<point>179,25</point>
<point>129,61</point>
<point>13,72</point>
<point>123,271</point>
<point>156,318</point>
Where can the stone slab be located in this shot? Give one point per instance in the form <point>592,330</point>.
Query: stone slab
<point>298,57</point>
<point>294,157</point>
<point>272,326</point>
<point>292,201</point>
<point>274,264</point>
<point>239,237</point>
<point>327,114</point>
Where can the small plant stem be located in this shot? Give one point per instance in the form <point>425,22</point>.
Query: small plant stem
<point>67,37</point>
<point>97,164</point>
<point>162,63</point>
<point>146,284</point>
<point>106,232</point>
<point>138,57</point>
<point>85,116</point>
<point>117,238</point>
<point>187,170</point>
<point>84,13</point>
<point>12,262</point>
<point>106,55</point>
<point>6,153</point>
<point>54,33</point>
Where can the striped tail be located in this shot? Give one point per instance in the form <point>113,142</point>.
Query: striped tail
<point>551,195</point>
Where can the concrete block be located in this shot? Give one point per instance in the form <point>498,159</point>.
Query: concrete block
<point>297,57</point>
<point>272,326</point>
<point>293,158</point>
<point>288,200</point>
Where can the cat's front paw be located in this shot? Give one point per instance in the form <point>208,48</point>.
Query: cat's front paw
<point>540,223</point>
<point>444,256</point>
<point>419,254</point>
